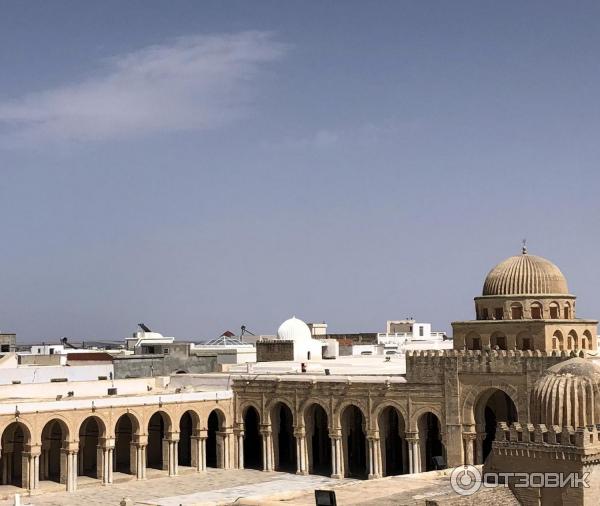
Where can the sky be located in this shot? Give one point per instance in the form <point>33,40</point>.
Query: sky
<point>198,166</point>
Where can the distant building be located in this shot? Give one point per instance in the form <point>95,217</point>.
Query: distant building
<point>8,342</point>
<point>293,342</point>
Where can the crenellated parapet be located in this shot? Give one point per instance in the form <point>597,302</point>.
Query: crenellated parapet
<point>518,435</point>
<point>430,365</point>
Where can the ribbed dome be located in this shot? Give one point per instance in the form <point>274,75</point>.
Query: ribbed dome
<point>294,330</point>
<point>525,275</point>
<point>568,394</point>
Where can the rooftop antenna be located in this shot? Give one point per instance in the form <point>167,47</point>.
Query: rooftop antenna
<point>524,246</point>
<point>244,331</point>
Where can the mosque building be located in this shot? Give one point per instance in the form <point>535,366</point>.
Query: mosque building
<point>519,390</point>
<point>444,412</point>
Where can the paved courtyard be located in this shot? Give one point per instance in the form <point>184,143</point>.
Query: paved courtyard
<point>216,486</point>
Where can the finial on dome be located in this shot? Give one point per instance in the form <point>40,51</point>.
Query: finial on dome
<point>524,247</point>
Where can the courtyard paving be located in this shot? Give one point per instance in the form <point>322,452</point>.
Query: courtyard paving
<point>216,486</point>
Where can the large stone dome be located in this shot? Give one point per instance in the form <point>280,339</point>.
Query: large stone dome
<point>525,275</point>
<point>568,394</point>
<point>294,330</point>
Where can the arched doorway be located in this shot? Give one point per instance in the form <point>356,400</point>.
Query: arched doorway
<point>319,444</point>
<point>124,430</point>
<point>284,442</point>
<point>52,467</point>
<point>157,427</point>
<point>393,442</point>
<point>253,458</point>
<point>186,430</point>
<point>214,442</point>
<point>430,439</point>
<point>88,459</point>
<point>353,441</point>
<point>14,439</point>
<point>493,406</point>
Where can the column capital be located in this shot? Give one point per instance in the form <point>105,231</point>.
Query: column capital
<point>373,434</point>
<point>469,436</point>
<point>33,449</point>
<point>172,436</point>
<point>106,443</point>
<point>70,447</point>
<point>140,439</point>
<point>412,437</point>
<point>335,435</point>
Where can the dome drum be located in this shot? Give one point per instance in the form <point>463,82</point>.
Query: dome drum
<point>524,307</point>
<point>568,395</point>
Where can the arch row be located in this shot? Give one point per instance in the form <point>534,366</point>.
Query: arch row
<point>64,447</point>
<point>345,437</point>
<point>572,340</point>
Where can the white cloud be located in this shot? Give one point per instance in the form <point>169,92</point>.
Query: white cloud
<point>195,82</point>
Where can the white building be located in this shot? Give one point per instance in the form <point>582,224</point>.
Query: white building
<point>305,347</point>
<point>406,335</point>
<point>147,342</point>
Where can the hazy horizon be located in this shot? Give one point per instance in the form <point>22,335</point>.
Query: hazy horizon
<point>204,165</point>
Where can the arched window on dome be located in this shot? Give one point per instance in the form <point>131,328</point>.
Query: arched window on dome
<point>516,311</point>
<point>586,340</point>
<point>572,340</point>
<point>498,341</point>
<point>524,341</point>
<point>558,341</point>
<point>554,310</point>
<point>567,311</point>
<point>473,341</point>
<point>537,312</point>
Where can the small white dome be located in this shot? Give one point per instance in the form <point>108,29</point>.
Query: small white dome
<point>294,330</point>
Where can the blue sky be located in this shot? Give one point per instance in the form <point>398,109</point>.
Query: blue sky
<point>202,165</point>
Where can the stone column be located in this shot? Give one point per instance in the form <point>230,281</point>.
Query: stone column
<point>6,463</point>
<point>107,447</point>
<point>337,470</point>
<point>479,438</point>
<point>82,441</point>
<point>414,452</point>
<point>71,478</point>
<point>267,442</point>
<point>199,450</point>
<point>44,463</point>
<point>301,451</point>
<point>224,456</point>
<point>138,446</point>
<point>240,448</point>
<point>374,455</point>
<point>172,439</point>
<point>469,441</point>
<point>30,467</point>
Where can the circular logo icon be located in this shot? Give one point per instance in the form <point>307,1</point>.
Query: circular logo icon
<point>465,480</point>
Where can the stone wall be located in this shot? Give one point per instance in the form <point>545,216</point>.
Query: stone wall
<point>271,351</point>
<point>139,366</point>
